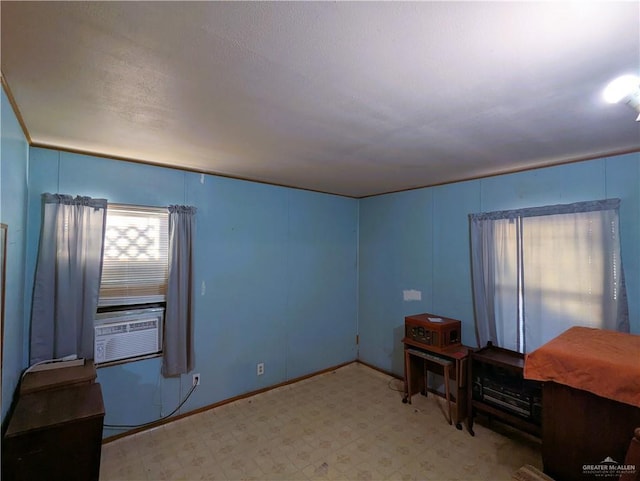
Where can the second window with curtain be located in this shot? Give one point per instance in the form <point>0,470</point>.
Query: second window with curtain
<point>539,271</point>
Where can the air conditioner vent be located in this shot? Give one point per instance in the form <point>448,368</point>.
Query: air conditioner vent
<point>125,334</point>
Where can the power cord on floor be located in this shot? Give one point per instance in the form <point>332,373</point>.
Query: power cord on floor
<point>193,388</point>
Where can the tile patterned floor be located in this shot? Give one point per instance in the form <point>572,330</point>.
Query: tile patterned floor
<point>349,424</point>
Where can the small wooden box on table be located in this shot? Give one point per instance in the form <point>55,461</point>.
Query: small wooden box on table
<point>432,343</point>
<point>435,332</point>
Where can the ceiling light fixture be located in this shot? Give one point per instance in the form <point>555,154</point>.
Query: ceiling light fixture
<point>625,88</point>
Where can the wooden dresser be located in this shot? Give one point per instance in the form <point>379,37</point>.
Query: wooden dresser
<point>591,399</point>
<point>55,430</point>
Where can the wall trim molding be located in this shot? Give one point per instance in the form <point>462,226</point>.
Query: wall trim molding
<point>14,106</point>
<point>383,371</point>
<point>573,160</point>
<point>71,150</point>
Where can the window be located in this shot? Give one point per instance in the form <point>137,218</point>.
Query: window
<point>135,258</point>
<point>537,272</point>
<point>133,286</point>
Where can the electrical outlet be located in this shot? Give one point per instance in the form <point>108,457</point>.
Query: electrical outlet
<point>260,368</point>
<point>196,380</point>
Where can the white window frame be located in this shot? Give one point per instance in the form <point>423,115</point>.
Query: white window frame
<point>134,281</point>
<point>127,280</point>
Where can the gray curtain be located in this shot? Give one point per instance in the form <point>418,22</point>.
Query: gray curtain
<point>483,260</point>
<point>67,279</point>
<point>538,271</point>
<point>178,357</point>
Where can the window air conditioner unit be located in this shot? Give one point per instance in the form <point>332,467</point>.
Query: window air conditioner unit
<point>125,334</point>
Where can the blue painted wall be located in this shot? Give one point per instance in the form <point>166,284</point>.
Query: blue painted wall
<point>291,276</point>
<point>14,159</point>
<point>278,264</point>
<point>420,240</point>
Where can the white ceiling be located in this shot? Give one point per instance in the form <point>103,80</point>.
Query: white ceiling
<point>353,98</point>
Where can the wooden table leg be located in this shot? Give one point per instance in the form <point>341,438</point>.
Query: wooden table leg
<point>425,375</point>
<point>407,378</point>
<point>447,389</point>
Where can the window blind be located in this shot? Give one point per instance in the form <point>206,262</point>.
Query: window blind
<point>135,258</point>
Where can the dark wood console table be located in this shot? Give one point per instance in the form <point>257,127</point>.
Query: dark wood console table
<point>497,388</point>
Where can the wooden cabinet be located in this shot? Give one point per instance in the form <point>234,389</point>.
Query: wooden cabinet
<point>591,400</point>
<point>580,428</point>
<point>497,388</point>
<point>56,433</point>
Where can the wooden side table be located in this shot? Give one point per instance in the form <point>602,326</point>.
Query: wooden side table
<point>450,362</point>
